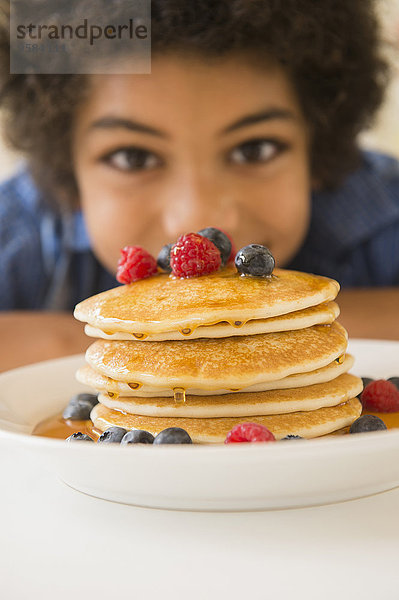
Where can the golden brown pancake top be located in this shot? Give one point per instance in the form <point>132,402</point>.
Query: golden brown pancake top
<point>232,362</point>
<point>306,424</point>
<point>341,388</point>
<point>244,404</point>
<point>165,303</point>
<point>89,376</point>
<point>326,312</point>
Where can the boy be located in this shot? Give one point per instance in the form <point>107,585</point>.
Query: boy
<point>248,122</point>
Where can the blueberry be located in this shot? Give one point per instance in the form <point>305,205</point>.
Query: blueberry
<point>367,423</point>
<point>220,240</point>
<point>79,436</point>
<point>163,260</point>
<point>395,381</point>
<point>80,407</point>
<point>173,435</point>
<point>292,437</point>
<point>137,436</point>
<point>112,435</point>
<point>255,260</point>
<point>366,381</point>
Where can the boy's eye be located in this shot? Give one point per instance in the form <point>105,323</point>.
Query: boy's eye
<point>256,151</point>
<point>132,159</point>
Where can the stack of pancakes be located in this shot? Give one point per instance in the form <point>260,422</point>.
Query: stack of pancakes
<point>210,352</point>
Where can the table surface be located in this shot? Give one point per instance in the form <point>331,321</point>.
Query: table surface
<point>58,543</point>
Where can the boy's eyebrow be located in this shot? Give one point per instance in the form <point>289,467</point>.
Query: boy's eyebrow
<point>264,115</point>
<point>117,122</point>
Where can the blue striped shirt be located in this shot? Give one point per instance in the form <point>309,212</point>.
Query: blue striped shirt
<point>47,263</point>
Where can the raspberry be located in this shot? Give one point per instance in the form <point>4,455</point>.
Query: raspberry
<point>194,255</point>
<point>135,263</point>
<point>249,432</point>
<point>380,396</point>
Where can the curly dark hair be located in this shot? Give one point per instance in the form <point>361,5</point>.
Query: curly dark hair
<point>329,49</point>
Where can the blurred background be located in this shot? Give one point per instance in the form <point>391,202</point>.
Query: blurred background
<point>384,135</point>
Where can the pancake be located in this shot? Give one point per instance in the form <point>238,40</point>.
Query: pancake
<point>226,363</point>
<point>165,303</point>
<point>314,315</point>
<point>88,376</point>
<point>311,397</point>
<point>214,430</point>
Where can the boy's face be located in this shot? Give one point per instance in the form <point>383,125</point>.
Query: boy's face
<point>195,144</point>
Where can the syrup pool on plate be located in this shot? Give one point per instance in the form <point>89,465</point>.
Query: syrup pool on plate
<point>58,427</point>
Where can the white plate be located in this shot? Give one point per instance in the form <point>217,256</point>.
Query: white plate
<point>236,477</point>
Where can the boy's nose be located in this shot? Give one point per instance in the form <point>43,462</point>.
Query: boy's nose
<point>194,206</point>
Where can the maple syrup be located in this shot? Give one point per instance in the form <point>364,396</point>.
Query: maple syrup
<point>60,428</point>
<point>179,395</point>
<point>135,386</point>
<point>391,420</point>
<point>140,336</point>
